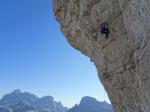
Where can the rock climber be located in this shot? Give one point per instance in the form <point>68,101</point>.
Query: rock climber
<point>104,27</point>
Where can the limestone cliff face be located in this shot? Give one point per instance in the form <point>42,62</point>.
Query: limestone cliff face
<point>122,61</point>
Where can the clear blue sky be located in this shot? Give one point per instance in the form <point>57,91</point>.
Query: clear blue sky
<point>35,57</point>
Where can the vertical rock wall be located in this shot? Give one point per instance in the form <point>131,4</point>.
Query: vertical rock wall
<point>123,60</point>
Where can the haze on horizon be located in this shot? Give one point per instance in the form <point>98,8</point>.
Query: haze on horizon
<point>35,56</point>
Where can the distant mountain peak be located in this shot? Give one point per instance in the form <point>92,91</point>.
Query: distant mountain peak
<point>17,91</point>
<point>90,104</point>
<point>88,99</point>
<point>27,102</point>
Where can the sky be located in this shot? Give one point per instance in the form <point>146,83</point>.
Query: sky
<point>36,57</point>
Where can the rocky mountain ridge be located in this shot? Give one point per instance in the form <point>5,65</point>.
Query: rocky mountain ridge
<point>26,102</point>
<point>18,101</point>
<point>89,104</point>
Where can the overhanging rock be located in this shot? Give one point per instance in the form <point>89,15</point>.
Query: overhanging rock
<point>123,60</point>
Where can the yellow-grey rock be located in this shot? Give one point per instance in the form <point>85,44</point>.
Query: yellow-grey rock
<point>123,60</point>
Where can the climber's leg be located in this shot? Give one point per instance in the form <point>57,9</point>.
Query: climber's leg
<point>107,35</point>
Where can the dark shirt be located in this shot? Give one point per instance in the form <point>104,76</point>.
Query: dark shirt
<point>104,26</point>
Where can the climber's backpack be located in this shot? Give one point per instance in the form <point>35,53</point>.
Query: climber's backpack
<point>104,27</point>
